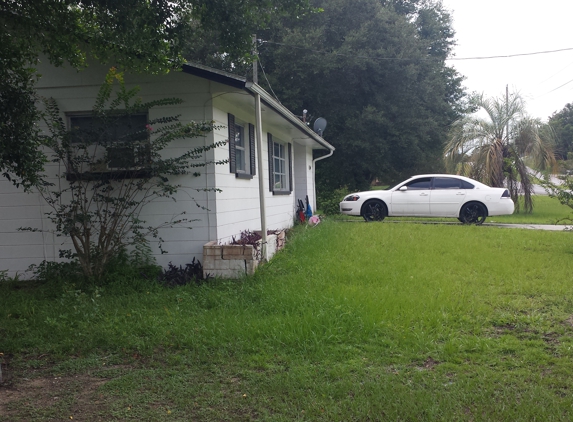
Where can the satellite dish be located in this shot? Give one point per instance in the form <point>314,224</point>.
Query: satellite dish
<point>319,125</point>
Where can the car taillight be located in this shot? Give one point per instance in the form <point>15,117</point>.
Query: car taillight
<point>505,194</point>
<point>352,198</point>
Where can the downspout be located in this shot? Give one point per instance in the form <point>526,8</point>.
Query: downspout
<point>314,176</point>
<point>259,134</point>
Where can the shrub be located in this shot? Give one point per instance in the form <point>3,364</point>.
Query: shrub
<point>328,200</point>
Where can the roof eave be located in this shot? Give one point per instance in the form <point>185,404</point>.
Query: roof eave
<point>287,114</point>
<point>240,82</point>
<point>215,75</point>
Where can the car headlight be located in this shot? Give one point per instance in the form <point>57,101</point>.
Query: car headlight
<point>351,198</point>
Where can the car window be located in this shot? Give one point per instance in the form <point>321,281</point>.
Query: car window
<point>446,183</point>
<point>422,183</point>
<point>467,185</point>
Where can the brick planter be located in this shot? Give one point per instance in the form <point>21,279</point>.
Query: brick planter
<point>234,261</point>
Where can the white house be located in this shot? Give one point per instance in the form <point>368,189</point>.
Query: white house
<point>208,94</point>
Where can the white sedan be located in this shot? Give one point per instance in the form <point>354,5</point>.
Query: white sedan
<point>431,195</point>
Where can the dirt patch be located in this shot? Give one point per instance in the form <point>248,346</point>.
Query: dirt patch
<point>428,365</point>
<point>64,397</point>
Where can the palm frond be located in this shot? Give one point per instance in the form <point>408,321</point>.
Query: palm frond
<point>492,144</point>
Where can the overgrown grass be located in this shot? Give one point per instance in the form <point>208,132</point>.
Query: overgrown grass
<point>349,322</point>
<point>546,210</point>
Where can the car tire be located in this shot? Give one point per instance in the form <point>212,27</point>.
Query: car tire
<point>374,210</point>
<point>473,213</point>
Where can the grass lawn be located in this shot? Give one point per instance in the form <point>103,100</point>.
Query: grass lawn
<point>351,322</point>
<point>546,210</point>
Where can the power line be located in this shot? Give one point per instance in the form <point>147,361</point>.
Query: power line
<point>267,79</point>
<point>555,74</point>
<point>512,55</point>
<point>555,89</point>
<point>405,58</point>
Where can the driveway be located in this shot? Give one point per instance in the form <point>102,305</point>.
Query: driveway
<point>548,227</point>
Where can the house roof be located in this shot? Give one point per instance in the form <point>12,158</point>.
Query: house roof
<point>252,88</point>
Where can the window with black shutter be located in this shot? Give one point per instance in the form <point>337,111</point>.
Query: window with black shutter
<point>241,148</point>
<point>280,166</point>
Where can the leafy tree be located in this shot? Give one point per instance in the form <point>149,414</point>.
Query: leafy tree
<point>376,71</point>
<point>492,145</point>
<point>20,153</point>
<point>560,188</point>
<point>562,124</point>
<point>98,210</point>
<point>139,35</point>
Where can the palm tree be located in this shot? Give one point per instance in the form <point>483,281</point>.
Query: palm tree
<point>495,143</point>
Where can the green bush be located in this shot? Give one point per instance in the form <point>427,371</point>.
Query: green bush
<point>328,200</point>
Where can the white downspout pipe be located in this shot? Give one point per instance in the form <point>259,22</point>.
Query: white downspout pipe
<point>314,176</point>
<point>259,135</point>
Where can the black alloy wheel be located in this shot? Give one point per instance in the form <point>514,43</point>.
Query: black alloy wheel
<point>374,211</point>
<point>473,213</point>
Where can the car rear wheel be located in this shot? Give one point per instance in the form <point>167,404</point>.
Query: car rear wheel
<point>374,211</point>
<point>473,213</point>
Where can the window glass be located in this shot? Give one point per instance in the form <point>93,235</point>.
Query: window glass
<point>124,129</point>
<point>467,185</point>
<point>422,183</point>
<point>446,183</point>
<point>240,155</point>
<point>279,167</point>
<point>118,143</point>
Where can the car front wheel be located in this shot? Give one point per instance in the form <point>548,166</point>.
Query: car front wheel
<point>473,213</point>
<point>374,211</point>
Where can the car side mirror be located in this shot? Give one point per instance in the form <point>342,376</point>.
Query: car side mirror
<point>403,188</point>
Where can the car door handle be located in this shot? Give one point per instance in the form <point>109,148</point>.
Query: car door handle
<point>460,193</point>
<point>423,194</point>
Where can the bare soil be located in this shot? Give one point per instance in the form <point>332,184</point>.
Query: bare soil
<point>36,395</point>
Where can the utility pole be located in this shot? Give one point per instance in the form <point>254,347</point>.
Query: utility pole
<point>255,62</point>
<point>507,112</point>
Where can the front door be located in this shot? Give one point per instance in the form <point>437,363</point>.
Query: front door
<point>412,198</point>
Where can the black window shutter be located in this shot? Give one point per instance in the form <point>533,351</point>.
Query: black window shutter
<point>290,167</point>
<point>270,149</point>
<point>252,149</point>
<point>232,155</point>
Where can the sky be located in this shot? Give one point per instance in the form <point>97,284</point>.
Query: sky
<point>487,28</point>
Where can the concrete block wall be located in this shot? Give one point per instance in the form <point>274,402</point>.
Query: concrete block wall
<point>234,261</point>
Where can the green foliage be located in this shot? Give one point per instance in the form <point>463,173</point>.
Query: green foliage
<point>492,147</point>
<point>57,273</point>
<point>141,36</point>
<point>376,71</point>
<point>562,124</point>
<point>21,160</point>
<point>97,206</point>
<point>328,199</point>
<point>562,189</point>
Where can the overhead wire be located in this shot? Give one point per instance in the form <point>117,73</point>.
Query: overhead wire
<point>405,58</point>
<point>267,79</point>
<point>555,74</point>
<point>505,56</point>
